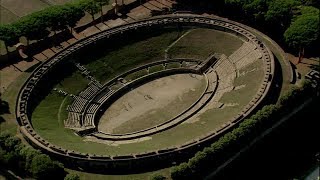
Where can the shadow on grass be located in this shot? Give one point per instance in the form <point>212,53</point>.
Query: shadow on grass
<point>4,107</point>
<point>1,119</point>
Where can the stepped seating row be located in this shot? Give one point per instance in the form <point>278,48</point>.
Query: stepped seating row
<point>73,120</point>
<point>227,81</point>
<point>88,120</point>
<point>244,50</point>
<point>77,105</point>
<point>90,91</point>
<point>103,96</point>
<point>93,108</point>
<point>248,59</point>
<point>212,76</point>
<point>225,67</point>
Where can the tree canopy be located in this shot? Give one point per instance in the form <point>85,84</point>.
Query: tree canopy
<point>303,32</point>
<point>281,11</point>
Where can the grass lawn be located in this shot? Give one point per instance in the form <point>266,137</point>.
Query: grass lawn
<point>142,176</point>
<point>10,96</point>
<point>173,65</point>
<point>156,68</point>
<point>136,75</point>
<point>131,55</point>
<point>74,84</point>
<point>200,43</point>
<point>251,80</point>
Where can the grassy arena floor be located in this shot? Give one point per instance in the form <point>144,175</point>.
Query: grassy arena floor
<point>46,119</point>
<point>200,43</point>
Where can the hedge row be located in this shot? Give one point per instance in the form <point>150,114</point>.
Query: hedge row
<point>38,25</point>
<point>205,160</point>
<point>27,161</point>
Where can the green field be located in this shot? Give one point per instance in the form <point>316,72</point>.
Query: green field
<point>200,43</point>
<point>129,56</point>
<point>156,68</point>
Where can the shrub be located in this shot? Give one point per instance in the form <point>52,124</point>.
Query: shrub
<point>42,167</point>
<point>72,177</point>
<point>28,161</point>
<point>182,172</point>
<point>158,177</point>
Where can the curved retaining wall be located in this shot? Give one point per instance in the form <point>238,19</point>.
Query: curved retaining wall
<point>160,127</point>
<point>144,159</point>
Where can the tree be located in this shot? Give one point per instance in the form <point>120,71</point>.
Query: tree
<point>256,10</point>
<point>90,6</point>
<point>73,14</point>
<point>9,34</point>
<point>101,3</point>
<point>28,154</point>
<point>42,167</point>
<point>280,12</point>
<point>182,171</point>
<point>303,33</point>
<point>33,27</point>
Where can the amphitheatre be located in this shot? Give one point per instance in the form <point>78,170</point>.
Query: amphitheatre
<point>145,91</point>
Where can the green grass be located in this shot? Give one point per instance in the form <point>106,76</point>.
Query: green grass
<point>45,121</point>
<point>136,75</point>
<point>10,96</point>
<point>251,80</point>
<point>173,65</point>
<point>131,55</point>
<point>156,68</point>
<point>74,83</point>
<point>200,43</point>
<point>142,176</point>
<point>155,117</point>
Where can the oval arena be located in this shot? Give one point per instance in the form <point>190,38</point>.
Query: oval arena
<point>221,78</point>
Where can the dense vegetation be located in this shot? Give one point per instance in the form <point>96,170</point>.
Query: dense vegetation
<point>204,161</point>
<point>295,22</point>
<point>27,161</point>
<point>38,25</point>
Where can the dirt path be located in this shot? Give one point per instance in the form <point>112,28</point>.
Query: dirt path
<point>175,42</point>
<point>59,112</point>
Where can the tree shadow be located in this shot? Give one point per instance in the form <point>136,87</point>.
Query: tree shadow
<point>4,107</point>
<point>1,119</point>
